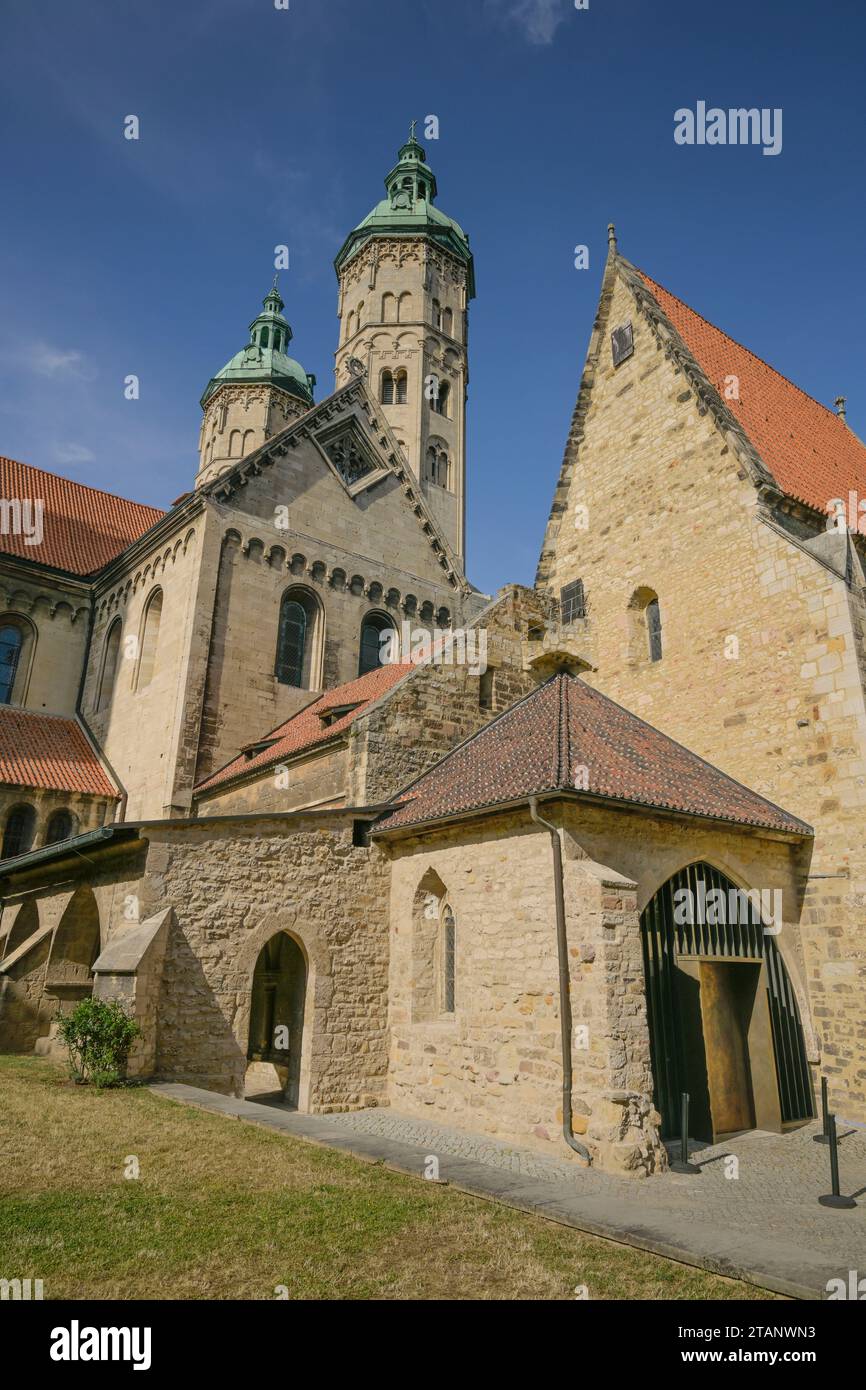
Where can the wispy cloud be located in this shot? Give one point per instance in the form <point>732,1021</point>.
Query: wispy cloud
<point>47,360</point>
<point>69,454</point>
<point>538,20</point>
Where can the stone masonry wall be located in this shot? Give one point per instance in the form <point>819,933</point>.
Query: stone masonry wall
<point>232,886</point>
<point>495,1065</point>
<point>762,644</point>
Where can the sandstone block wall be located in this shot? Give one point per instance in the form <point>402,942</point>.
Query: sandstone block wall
<point>763,645</point>
<point>494,1066</point>
<point>232,886</point>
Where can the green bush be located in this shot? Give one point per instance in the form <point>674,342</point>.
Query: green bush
<point>98,1036</point>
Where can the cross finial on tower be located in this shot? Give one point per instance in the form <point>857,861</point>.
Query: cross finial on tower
<point>276,278</point>
<point>412,130</point>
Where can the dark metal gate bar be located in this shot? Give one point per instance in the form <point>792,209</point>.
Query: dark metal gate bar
<point>664,939</point>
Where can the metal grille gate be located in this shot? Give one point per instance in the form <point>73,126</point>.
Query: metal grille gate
<point>663,940</point>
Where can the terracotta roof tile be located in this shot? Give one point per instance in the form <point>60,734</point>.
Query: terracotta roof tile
<point>809,450</point>
<point>543,743</point>
<point>82,528</point>
<point>48,751</point>
<point>305,729</point>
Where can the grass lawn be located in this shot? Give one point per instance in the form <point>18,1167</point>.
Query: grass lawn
<point>223,1209</point>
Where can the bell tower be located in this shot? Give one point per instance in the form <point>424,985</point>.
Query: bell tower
<point>257,393</point>
<point>406,277</point>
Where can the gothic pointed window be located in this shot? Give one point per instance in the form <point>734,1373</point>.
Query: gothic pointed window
<point>447,322</point>
<point>19,831</point>
<point>448,946</point>
<point>374,648</point>
<point>11,642</point>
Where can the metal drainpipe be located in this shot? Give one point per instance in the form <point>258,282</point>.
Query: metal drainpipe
<point>564,982</point>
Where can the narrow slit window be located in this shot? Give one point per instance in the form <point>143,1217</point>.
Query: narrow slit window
<point>449,945</point>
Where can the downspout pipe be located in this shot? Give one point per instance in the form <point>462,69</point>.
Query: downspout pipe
<point>564,983</point>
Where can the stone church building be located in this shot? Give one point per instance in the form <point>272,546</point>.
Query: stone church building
<point>333,823</point>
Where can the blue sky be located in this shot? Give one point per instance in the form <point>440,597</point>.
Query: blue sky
<point>262,126</point>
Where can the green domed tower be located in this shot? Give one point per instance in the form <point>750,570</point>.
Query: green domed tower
<point>406,277</point>
<point>255,395</point>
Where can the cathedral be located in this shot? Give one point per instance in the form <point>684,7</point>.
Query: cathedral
<point>333,824</point>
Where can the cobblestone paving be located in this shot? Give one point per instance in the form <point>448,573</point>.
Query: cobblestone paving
<point>758,1220</point>
<point>779,1178</point>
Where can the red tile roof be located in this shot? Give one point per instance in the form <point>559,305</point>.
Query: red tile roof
<point>48,751</point>
<point>306,729</point>
<point>82,528</point>
<point>808,449</point>
<point>566,736</point>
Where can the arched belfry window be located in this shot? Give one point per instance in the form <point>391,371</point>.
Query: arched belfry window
<point>448,949</point>
<point>400,388</point>
<point>149,640</point>
<point>19,831</point>
<point>375,650</point>
<point>11,645</point>
<point>440,403</point>
<point>298,639</point>
<point>386,393</point>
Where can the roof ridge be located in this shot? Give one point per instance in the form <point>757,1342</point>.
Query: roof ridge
<point>87,487</point>
<point>742,346</point>
<point>562,732</point>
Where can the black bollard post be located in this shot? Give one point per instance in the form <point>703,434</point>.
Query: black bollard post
<point>824,1136</point>
<point>834,1198</point>
<point>681,1164</point>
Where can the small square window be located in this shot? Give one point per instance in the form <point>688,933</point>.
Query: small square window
<point>572,603</point>
<point>621,343</point>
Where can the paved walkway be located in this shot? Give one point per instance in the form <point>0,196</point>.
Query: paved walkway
<point>764,1225</point>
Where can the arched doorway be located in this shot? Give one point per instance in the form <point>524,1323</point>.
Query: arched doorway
<point>723,1018</point>
<point>277,1016</point>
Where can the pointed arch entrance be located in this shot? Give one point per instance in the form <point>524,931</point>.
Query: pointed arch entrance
<point>723,1017</point>
<point>277,1013</point>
